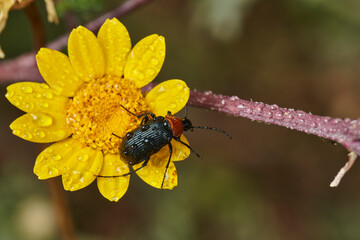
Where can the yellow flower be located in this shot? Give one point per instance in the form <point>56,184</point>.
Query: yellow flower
<point>79,109</point>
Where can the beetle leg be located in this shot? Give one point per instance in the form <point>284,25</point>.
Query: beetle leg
<point>167,165</point>
<point>131,170</point>
<point>192,150</point>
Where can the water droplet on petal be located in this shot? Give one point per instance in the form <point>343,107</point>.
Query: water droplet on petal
<point>27,89</point>
<point>109,163</point>
<point>44,104</point>
<point>56,157</point>
<point>38,95</point>
<point>27,136</point>
<point>29,106</point>
<point>43,85</point>
<point>173,105</point>
<point>48,95</point>
<point>40,134</point>
<point>9,93</point>
<point>154,61</point>
<point>83,157</point>
<point>42,120</point>
<point>16,132</point>
<point>16,102</point>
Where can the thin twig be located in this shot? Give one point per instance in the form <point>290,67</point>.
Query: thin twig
<point>352,157</point>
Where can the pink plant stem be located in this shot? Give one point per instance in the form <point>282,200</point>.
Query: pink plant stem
<point>344,131</point>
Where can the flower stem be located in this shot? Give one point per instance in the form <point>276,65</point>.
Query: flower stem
<point>62,209</point>
<point>37,26</point>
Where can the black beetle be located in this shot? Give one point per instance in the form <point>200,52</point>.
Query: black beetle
<point>151,136</point>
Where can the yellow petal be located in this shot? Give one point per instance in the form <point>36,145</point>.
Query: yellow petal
<point>115,42</point>
<point>83,164</point>
<point>171,95</point>
<point>145,60</point>
<point>180,151</point>
<point>153,172</point>
<point>113,188</point>
<point>41,127</point>
<point>52,161</point>
<point>85,54</point>
<point>57,71</point>
<point>34,97</point>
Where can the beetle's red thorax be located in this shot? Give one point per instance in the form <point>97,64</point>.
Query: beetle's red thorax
<point>176,125</point>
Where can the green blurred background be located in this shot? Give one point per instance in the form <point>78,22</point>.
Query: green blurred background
<point>268,182</point>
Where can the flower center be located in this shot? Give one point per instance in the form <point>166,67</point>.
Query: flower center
<point>94,114</point>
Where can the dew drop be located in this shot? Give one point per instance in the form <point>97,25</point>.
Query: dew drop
<point>207,93</point>
<point>234,98</point>
<point>173,105</point>
<point>223,102</point>
<point>16,102</point>
<point>150,72</point>
<point>288,117</point>
<point>240,106</point>
<point>44,104</point>
<point>56,157</point>
<point>259,107</point>
<point>45,86</point>
<point>40,134</point>
<point>48,95</point>
<point>154,61</point>
<point>9,93</point>
<point>29,106</point>
<point>279,115</point>
<point>42,120</point>
<point>16,132</point>
<point>83,157</point>
<point>53,171</point>
<point>37,95</point>
<point>267,113</point>
<point>48,150</point>
<point>274,107</point>
<point>27,136</point>
<point>27,89</point>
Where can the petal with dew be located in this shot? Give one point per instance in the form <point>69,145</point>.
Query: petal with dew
<point>57,71</point>
<point>85,54</point>
<point>153,172</point>
<point>115,42</point>
<point>171,95</point>
<point>83,164</point>
<point>51,162</point>
<point>180,151</point>
<point>145,60</point>
<point>41,127</point>
<point>34,97</point>
<point>114,186</point>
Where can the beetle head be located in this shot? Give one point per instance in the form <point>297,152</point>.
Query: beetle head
<point>187,124</point>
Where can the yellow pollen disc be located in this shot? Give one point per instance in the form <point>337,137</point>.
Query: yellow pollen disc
<point>94,113</point>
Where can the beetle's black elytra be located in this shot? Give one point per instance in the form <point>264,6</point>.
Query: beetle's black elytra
<point>151,136</point>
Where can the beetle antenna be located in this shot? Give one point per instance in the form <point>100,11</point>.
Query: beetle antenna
<point>117,136</point>
<point>186,111</point>
<point>216,129</point>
